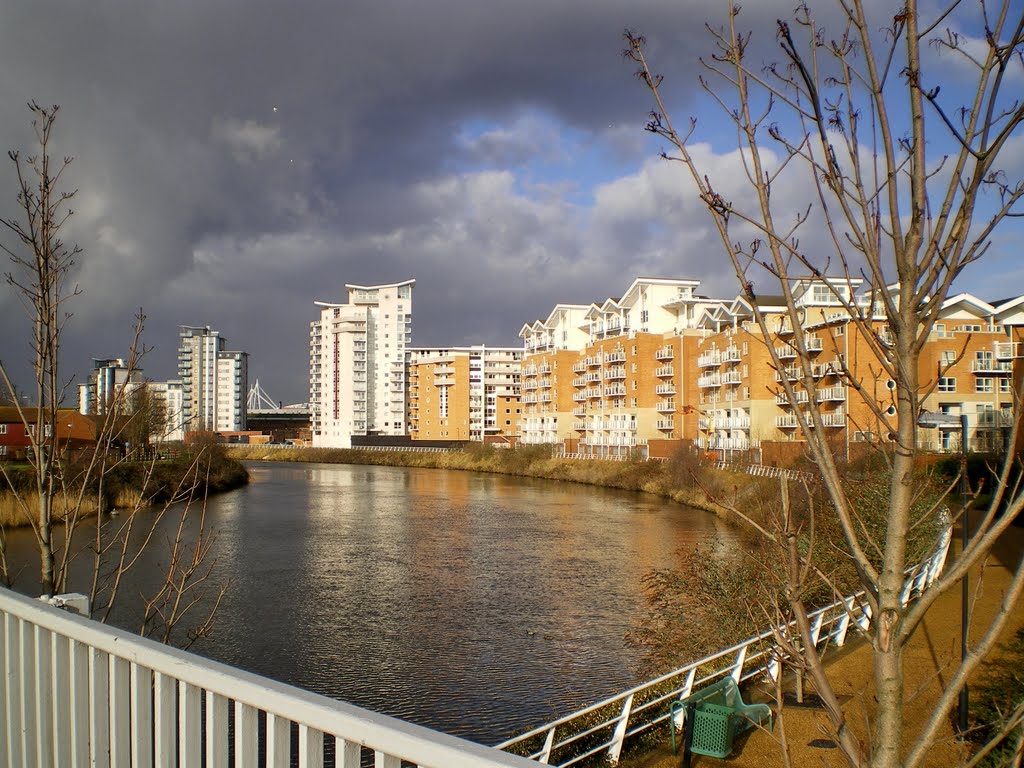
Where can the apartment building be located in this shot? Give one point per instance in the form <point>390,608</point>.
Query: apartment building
<point>214,381</point>
<point>465,393</point>
<point>967,367</point>
<point>357,357</point>
<point>169,397</point>
<point>621,363</point>
<point>108,377</point>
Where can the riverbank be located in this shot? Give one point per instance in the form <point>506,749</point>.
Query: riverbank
<point>676,479</point>
<point>128,485</point>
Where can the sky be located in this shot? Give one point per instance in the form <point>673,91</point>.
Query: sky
<point>237,160</point>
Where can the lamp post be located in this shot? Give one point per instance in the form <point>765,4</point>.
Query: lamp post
<point>932,421</point>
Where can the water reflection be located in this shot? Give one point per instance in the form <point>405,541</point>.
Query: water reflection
<point>476,604</point>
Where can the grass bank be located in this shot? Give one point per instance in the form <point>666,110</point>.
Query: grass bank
<point>128,485</point>
<point>671,479</point>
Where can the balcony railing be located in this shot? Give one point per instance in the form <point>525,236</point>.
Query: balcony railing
<point>835,419</point>
<point>666,406</point>
<point>991,366</point>
<point>664,372</point>
<point>86,693</point>
<point>664,353</point>
<point>709,380</point>
<point>786,422</point>
<point>615,356</point>
<point>664,425</point>
<point>782,399</point>
<point>1009,350</point>
<point>831,394</point>
<point>665,389</point>
<point>709,359</point>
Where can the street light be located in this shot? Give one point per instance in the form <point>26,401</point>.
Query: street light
<point>933,421</point>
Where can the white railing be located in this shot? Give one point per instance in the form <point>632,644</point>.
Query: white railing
<point>602,729</point>
<point>77,692</point>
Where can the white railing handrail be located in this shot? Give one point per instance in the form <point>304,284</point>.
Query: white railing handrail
<point>829,624</point>
<point>316,715</point>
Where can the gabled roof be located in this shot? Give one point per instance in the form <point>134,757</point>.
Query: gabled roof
<point>970,302</point>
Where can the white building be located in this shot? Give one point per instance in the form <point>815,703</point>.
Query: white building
<point>214,381</point>
<point>170,395</point>
<point>108,377</point>
<point>357,354</point>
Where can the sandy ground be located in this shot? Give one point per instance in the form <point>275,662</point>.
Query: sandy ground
<point>934,650</point>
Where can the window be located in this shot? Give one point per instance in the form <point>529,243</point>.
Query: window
<point>632,402</point>
<point>3,450</point>
<point>947,384</point>
<point>634,349</point>
<point>940,330</point>
<point>644,316</point>
<point>947,357</point>
<point>840,330</point>
<point>3,429</point>
<point>1004,386</point>
<point>983,384</point>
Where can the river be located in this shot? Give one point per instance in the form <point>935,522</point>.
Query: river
<point>476,604</point>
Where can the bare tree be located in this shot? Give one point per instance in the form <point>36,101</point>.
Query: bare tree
<point>905,190</point>
<point>42,264</point>
<point>68,487</point>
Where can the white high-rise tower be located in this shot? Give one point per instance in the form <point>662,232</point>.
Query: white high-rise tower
<point>357,354</point>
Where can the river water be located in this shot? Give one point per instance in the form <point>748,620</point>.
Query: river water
<point>480,605</point>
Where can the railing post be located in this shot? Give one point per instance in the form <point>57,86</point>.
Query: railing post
<point>816,628</point>
<point>684,694</point>
<point>549,740</point>
<point>620,732</point>
<point>737,669</point>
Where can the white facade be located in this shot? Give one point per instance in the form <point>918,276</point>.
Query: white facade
<point>108,377</point>
<point>214,381</point>
<point>357,354</point>
<point>170,395</point>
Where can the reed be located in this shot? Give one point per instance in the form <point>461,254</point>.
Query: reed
<point>13,512</point>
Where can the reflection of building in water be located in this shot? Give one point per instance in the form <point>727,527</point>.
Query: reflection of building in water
<point>464,393</point>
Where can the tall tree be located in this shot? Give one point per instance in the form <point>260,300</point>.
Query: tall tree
<point>42,264</point>
<point>906,187</point>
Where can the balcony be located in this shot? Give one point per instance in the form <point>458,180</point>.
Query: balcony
<point>709,380</point>
<point>1009,350</point>
<point>544,397</point>
<point>664,353</point>
<point>579,381</point>
<point>527,385</point>
<point>790,373</point>
<point>704,424</point>
<point>989,366</point>
<point>666,406</point>
<point>664,425</point>
<point>709,359</point>
<point>579,397</point>
<point>731,377</point>
<point>579,367</point>
<point>782,399</point>
<point>593,377</point>
<point>616,373</point>
<point>665,372</point>
<point>579,410</point>
<point>530,370</point>
<point>594,394</point>
<point>733,422</point>
<point>665,389</point>
<point>615,356</point>
<point>594,361</point>
<point>786,422</point>
<point>580,426</point>
<point>544,368</point>
<point>731,355</point>
<point>615,390</point>
<point>835,419</point>
<point>831,394</point>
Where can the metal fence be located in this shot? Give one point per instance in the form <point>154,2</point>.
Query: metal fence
<point>604,728</point>
<point>76,692</point>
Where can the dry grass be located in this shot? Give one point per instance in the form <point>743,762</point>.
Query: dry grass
<point>13,512</point>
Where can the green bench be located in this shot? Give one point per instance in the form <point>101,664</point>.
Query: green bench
<point>715,715</point>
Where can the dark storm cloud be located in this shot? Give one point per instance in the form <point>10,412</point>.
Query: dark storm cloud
<point>238,159</point>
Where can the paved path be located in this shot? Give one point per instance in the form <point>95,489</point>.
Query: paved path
<point>933,651</point>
